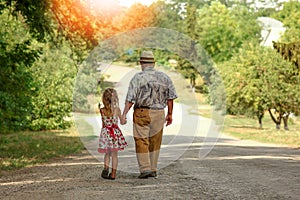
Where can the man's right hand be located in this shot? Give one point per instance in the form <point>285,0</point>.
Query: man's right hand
<point>169,119</point>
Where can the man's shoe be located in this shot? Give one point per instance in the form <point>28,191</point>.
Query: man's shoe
<point>153,174</point>
<point>145,174</point>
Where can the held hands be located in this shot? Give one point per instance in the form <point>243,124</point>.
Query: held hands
<point>123,119</point>
<point>169,119</point>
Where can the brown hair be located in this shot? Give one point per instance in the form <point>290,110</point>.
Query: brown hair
<point>110,100</point>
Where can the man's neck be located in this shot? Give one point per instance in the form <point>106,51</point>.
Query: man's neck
<point>146,66</point>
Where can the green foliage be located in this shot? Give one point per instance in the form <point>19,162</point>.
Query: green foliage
<point>258,79</point>
<point>34,13</point>
<point>289,16</point>
<point>247,27</point>
<point>223,31</point>
<point>17,86</point>
<point>185,67</point>
<point>85,88</point>
<point>217,93</point>
<point>137,16</point>
<point>191,18</point>
<point>168,15</point>
<point>75,21</point>
<point>187,70</point>
<point>54,74</point>
<point>289,51</point>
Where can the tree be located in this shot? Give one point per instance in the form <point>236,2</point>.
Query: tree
<point>34,14</point>
<point>16,57</point>
<point>190,29</point>
<point>243,85</point>
<point>75,22</point>
<point>54,74</point>
<point>247,27</point>
<point>289,51</point>
<point>37,78</point>
<point>81,25</point>
<point>167,15</point>
<point>257,79</point>
<point>289,16</point>
<point>222,31</point>
<point>137,16</point>
<point>86,23</point>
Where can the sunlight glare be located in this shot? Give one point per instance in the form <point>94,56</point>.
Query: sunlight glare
<point>109,4</point>
<point>104,4</point>
<point>128,3</point>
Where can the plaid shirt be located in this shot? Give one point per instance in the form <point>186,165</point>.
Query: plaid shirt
<point>150,88</point>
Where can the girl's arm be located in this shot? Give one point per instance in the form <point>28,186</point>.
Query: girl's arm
<point>101,112</point>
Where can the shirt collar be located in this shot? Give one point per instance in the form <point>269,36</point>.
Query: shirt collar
<point>148,69</point>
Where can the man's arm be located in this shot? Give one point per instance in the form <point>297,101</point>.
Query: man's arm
<point>169,118</point>
<point>127,107</point>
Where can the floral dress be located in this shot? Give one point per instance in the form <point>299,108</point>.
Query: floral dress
<point>111,137</point>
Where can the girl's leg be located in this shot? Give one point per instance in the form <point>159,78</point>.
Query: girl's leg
<point>114,156</point>
<point>106,161</point>
<point>105,171</point>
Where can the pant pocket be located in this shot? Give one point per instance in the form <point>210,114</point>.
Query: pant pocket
<point>141,117</point>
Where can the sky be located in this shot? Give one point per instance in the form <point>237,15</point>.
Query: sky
<point>128,3</point>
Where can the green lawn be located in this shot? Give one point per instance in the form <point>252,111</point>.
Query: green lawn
<point>247,128</point>
<point>21,149</point>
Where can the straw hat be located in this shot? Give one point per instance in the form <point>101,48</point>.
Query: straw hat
<point>147,56</point>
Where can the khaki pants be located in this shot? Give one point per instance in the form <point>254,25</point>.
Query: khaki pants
<point>147,131</point>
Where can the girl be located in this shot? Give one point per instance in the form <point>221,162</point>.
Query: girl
<point>111,138</point>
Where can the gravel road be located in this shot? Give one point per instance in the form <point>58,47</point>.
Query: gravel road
<point>234,169</point>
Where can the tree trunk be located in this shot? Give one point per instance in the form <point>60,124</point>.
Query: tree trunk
<point>193,82</point>
<point>260,116</point>
<point>285,121</point>
<point>276,120</point>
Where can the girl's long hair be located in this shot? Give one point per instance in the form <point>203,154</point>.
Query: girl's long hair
<point>110,100</point>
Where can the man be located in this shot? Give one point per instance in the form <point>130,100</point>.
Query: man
<point>150,91</point>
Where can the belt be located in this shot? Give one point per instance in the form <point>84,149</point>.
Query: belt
<point>147,107</point>
<point>142,107</point>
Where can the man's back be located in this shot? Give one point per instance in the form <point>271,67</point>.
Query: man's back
<point>152,88</point>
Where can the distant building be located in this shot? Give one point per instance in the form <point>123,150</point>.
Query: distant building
<point>272,30</point>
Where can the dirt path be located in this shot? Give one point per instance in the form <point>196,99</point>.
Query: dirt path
<point>234,169</point>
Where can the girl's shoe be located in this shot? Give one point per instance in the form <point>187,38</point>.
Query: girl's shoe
<point>104,174</point>
<point>111,178</point>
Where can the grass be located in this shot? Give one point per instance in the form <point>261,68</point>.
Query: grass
<point>247,128</point>
<point>85,130</point>
<point>22,149</point>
